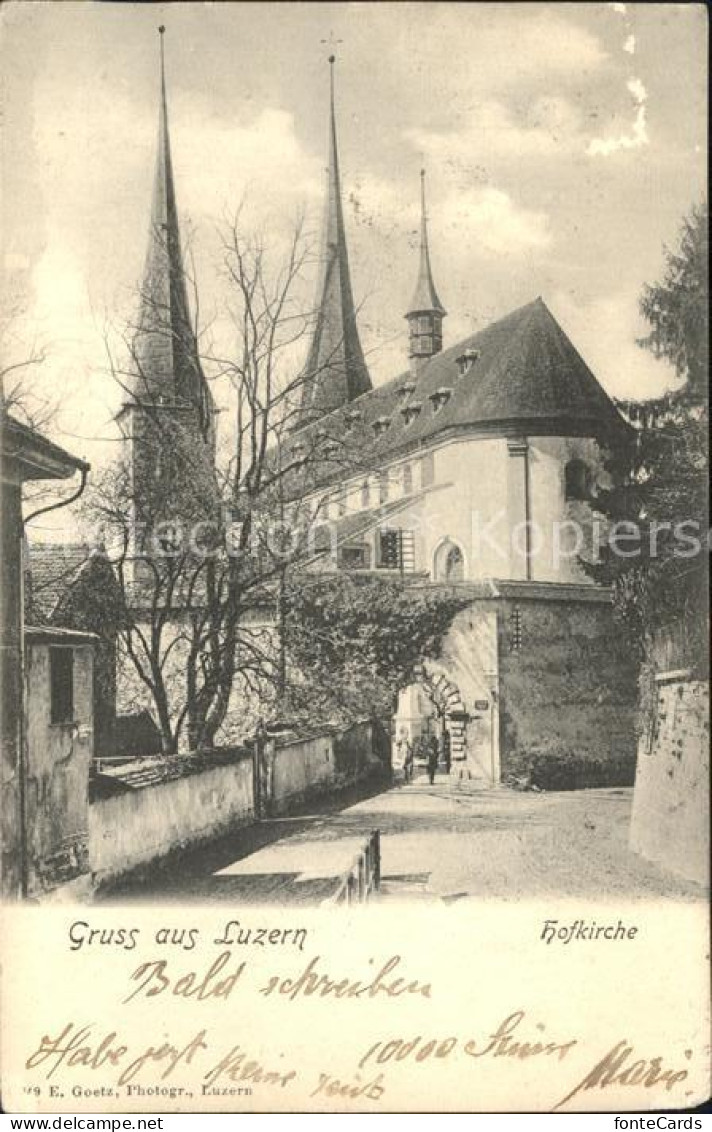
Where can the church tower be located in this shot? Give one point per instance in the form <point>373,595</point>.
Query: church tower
<point>168,415</point>
<point>426,313</point>
<point>335,372</point>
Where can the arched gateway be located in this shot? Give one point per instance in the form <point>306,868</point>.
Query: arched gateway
<point>451,711</point>
<point>430,706</point>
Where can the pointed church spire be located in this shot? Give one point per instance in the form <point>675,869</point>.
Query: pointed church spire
<point>335,371</point>
<point>166,362</point>
<point>426,312</point>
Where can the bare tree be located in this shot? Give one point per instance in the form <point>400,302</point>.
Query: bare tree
<point>202,552</point>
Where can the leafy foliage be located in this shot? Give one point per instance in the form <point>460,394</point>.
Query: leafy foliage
<point>353,642</point>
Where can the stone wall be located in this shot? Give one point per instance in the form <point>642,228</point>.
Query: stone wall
<point>670,819</point>
<point>146,823</point>
<point>568,685</point>
<point>148,816</point>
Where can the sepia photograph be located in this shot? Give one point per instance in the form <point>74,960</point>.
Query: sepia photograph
<point>355,551</point>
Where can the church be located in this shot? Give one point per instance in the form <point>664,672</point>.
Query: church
<point>476,468</point>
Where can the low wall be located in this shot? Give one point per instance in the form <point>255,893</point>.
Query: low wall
<point>144,823</point>
<point>320,763</point>
<point>147,815</point>
<point>670,819</point>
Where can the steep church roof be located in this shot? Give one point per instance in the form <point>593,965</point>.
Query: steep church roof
<point>425,297</point>
<point>520,375</point>
<point>166,363</point>
<point>335,371</point>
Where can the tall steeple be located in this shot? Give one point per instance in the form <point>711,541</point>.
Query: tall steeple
<point>166,365</point>
<point>335,372</point>
<point>426,312</point>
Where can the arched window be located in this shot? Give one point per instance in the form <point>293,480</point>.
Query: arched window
<point>407,479</point>
<point>365,494</point>
<point>449,565</point>
<point>577,480</point>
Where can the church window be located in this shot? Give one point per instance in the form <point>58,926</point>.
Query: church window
<point>61,681</point>
<point>365,494</point>
<point>389,550</point>
<point>407,479</point>
<point>341,506</point>
<point>577,480</point>
<point>449,563</point>
<point>325,507</point>
<point>424,324</point>
<point>355,557</point>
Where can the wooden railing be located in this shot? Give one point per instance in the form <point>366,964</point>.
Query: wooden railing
<point>363,877</point>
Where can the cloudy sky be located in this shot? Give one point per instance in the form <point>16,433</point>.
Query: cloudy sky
<point>563,143</point>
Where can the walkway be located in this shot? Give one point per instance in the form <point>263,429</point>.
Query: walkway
<point>450,841</point>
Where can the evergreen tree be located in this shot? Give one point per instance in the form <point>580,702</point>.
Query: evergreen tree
<point>660,478</point>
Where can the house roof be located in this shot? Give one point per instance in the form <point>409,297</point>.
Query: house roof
<point>50,635</point>
<point>36,457</point>
<point>53,570</point>
<point>526,377</point>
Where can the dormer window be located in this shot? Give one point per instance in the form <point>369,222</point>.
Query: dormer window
<point>440,397</point>
<point>406,389</point>
<point>411,411</point>
<point>381,425</point>
<point>352,418</point>
<point>466,361</point>
<point>331,449</point>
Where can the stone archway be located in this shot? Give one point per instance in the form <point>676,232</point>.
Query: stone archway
<point>450,707</point>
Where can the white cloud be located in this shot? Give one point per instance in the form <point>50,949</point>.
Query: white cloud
<point>637,135</point>
<point>549,126</point>
<point>604,331</point>
<point>492,222</point>
<point>637,89</point>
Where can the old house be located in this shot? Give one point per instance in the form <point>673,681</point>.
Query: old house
<point>74,586</point>
<point>47,709</point>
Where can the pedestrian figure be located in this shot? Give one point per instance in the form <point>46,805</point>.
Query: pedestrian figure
<point>408,763</point>
<point>433,756</point>
<point>447,751</point>
<point>404,753</point>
